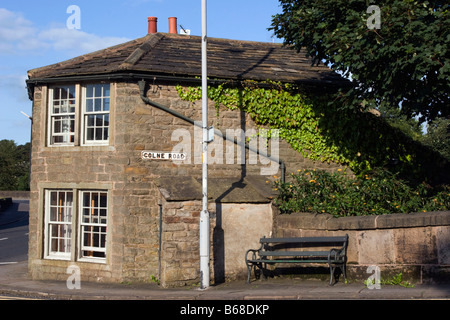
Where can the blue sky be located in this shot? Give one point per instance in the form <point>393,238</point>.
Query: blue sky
<point>35,34</point>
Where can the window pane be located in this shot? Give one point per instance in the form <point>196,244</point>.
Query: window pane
<point>106,90</point>
<point>90,134</point>
<point>89,105</point>
<point>103,200</point>
<point>89,91</point>
<point>63,94</point>
<point>99,120</point>
<point>106,104</point>
<point>99,90</point>
<point>90,120</point>
<point>98,134</point>
<point>56,94</point>
<point>98,105</point>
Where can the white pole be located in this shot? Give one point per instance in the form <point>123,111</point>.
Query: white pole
<point>204,215</point>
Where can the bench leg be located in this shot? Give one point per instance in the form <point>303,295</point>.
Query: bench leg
<point>249,271</point>
<point>343,271</point>
<point>342,266</point>
<point>331,274</point>
<point>255,266</point>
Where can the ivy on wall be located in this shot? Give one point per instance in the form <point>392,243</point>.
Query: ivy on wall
<point>319,129</point>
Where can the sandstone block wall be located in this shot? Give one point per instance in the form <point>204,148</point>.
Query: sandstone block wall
<point>234,229</point>
<point>416,244</point>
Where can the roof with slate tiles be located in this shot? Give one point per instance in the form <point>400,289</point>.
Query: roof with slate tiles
<point>180,56</point>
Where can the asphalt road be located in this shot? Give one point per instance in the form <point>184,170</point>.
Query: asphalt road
<point>14,233</point>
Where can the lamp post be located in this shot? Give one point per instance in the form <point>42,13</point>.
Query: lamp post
<point>204,215</point>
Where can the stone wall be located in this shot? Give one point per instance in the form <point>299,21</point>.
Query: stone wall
<point>416,244</point>
<point>234,228</point>
<point>133,221</point>
<point>16,195</point>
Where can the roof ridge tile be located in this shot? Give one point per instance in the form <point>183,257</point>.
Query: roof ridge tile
<point>143,49</point>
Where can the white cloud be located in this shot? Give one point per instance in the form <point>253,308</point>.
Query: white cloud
<point>19,35</point>
<point>15,31</point>
<point>76,41</point>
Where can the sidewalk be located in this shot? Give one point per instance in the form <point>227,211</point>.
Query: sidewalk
<point>14,281</point>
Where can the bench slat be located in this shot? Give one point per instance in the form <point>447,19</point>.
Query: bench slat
<point>294,253</point>
<point>287,261</point>
<point>304,240</point>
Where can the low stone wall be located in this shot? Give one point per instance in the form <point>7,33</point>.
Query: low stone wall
<point>16,195</point>
<point>415,244</point>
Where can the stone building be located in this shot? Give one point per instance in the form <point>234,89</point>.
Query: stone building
<point>103,195</point>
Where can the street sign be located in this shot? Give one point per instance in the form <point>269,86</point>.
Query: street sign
<point>156,155</point>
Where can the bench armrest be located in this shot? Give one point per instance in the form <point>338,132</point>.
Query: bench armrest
<point>336,254</point>
<point>253,255</point>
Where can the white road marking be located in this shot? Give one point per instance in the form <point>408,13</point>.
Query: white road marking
<point>4,298</point>
<point>5,263</point>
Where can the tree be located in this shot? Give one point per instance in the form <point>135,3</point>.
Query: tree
<point>405,64</point>
<point>14,165</point>
<point>438,136</point>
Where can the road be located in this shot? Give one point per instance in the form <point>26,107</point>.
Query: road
<point>14,238</point>
<point>14,233</point>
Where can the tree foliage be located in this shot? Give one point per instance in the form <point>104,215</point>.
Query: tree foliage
<point>404,64</point>
<point>438,136</point>
<point>14,165</point>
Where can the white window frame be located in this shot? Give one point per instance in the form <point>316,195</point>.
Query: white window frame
<point>79,118</point>
<point>75,247</point>
<point>102,112</point>
<point>64,241</point>
<point>52,115</point>
<point>98,215</point>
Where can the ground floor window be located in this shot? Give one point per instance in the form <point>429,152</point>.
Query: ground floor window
<point>87,228</point>
<point>93,223</point>
<point>59,223</point>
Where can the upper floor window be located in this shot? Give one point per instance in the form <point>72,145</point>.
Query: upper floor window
<point>62,115</point>
<point>88,106</point>
<point>96,104</point>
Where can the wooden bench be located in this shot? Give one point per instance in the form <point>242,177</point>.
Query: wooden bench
<point>298,250</point>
